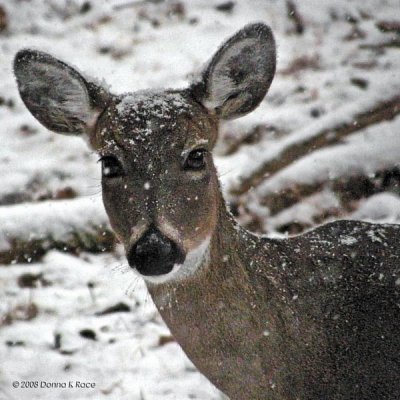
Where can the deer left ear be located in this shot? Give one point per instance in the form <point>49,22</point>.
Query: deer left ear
<point>56,94</point>
<point>239,75</point>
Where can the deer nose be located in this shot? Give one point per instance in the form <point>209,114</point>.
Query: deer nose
<point>154,254</point>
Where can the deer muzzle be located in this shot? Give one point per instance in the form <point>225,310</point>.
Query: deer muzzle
<point>155,254</point>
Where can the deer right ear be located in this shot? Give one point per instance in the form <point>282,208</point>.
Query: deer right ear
<point>56,94</point>
<point>239,75</point>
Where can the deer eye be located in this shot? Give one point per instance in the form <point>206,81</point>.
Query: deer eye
<point>111,167</point>
<point>195,159</point>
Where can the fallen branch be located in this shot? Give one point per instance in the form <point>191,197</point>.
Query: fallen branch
<point>369,161</point>
<point>28,231</point>
<point>307,213</point>
<point>233,140</point>
<point>347,189</point>
<point>283,211</point>
<point>329,130</point>
<point>380,46</point>
<point>389,26</point>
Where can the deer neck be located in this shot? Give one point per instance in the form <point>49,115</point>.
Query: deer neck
<point>214,314</point>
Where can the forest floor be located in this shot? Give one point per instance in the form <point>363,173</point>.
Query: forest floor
<point>324,144</point>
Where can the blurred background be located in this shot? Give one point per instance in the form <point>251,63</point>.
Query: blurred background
<point>323,145</point>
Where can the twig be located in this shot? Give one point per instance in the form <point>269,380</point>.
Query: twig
<point>294,15</point>
<point>129,4</point>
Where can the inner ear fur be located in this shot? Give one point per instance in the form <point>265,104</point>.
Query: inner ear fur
<point>240,73</point>
<point>57,95</point>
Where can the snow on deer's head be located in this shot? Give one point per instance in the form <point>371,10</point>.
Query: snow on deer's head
<point>160,186</point>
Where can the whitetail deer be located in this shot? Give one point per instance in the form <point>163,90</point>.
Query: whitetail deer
<point>316,316</point>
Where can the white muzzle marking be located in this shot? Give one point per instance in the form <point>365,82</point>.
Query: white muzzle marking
<point>194,260</point>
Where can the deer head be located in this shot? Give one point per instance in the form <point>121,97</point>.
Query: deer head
<point>160,187</point>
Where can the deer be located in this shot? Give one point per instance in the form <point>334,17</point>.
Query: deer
<point>306,317</point>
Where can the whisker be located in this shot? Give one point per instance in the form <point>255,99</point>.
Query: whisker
<point>132,286</point>
<point>92,194</point>
<point>120,268</point>
<point>226,172</point>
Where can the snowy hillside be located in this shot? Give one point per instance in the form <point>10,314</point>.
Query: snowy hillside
<point>324,144</point>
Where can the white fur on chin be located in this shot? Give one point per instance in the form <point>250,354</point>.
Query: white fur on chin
<point>193,261</point>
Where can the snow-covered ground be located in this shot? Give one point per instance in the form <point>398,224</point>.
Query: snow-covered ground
<point>51,327</point>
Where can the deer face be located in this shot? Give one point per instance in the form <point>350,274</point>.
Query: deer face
<point>159,182</point>
<point>160,187</point>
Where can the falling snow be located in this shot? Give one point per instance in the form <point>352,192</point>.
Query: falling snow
<point>127,357</point>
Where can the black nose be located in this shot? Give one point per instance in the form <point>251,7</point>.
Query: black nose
<point>155,254</point>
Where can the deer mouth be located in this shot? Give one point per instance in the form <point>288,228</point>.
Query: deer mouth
<point>155,254</point>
